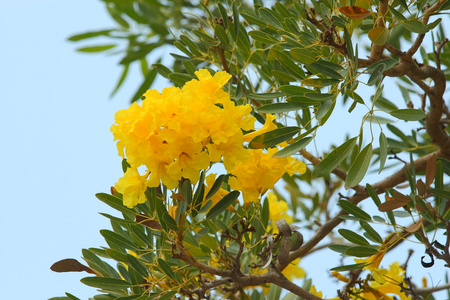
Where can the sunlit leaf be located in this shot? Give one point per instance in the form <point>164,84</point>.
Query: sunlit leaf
<point>354,210</point>
<point>379,35</point>
<point>408,114</point>
<point>353,237</point>
<point>332,160</point>
<point>359,167</point>
<point>272,138</point>
<point>223,204</point>
<point>293,148</point>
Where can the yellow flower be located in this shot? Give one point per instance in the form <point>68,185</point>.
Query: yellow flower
<point>132,185</point>
<point>268,126</point>
<point>278,209</point>
<point>293,270</point>
<point>391,285</point>
<point>179,132</point>
<point>259,173</point>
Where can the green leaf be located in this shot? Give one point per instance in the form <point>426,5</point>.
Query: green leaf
<point>265,96</point>
<point>287,63</point>
<point>268,16</point>
<point>361,251</point>
<point>349,267</point>
<point>371,232</point>
<point>115,203</point>
<point>323,68</point>
<point>302,101</point>
<point>117,239</point>
<point>408,114</point>
<point>293,148</point>
<point>121,79</point>
<point>359,167</point>
<point>415,26</point>
<point>320,97</point>
<point>223,204</point>
<point>279,107</point>
<point>332,160</point>
<point>88,35</point>
<point>319,82</point>
<point>376,74</point>
<point>72,297</point>
<point>353,237</point>
<point>168,295</point>
<point>106,283</point>
<point>354,210</point>
<point>274,137</point>
<point>140,268</point>
<point>302,55</point>
<point>180,78</point>
<point>96,48</point>
<point>263,37</point>
<point>222,36</point>
<point>383,151</point>
<point>441,193</point>
<point>388,62</point>
<point>149,78</point>
<point>215,187</point>
<point>165,267</point>
<point>170,222</point>
<point>338,248</point>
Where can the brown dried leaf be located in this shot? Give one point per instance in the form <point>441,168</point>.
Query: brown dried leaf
<point>70,265</point>
<point>393,202</point>
<point>355,12</point>
<point>147,221</point>
<point>414,227</point>
<point>421,187</point>
<point>401,198</point>
<point>430,173</point>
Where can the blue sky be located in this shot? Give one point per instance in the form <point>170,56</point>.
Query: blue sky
<point>57,150</point>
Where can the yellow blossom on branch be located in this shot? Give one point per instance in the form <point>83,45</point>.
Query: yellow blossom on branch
<point>260,171</point>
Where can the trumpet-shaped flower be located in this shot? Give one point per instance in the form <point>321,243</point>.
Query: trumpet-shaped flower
<point>260,171</point>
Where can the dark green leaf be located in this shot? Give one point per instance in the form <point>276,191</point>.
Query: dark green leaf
<point>180,78</point>
<point>279,107</point>
<point>265,96</point>
<point>106,283</point>
<point>332,160</point>
<point>115,203</point>
<point>268,16</point>
<point>376,74</point>
<point>117,239</point>
<point>215,187</point>
<point>223,204</point>
<point>149,78</point>
<point>274,137</point>
<point>287,63</point>
<point>170,222</point>
<point>383,151</point>
<point>302,55</point>
<point>353,237</point>
<point>324,69</point>
<point>137,265</point>
<point>359,167</point>
<point>168,295</point>
<point>415,26</point>
<point>338,248</point>
<point>372,233</point>
<point>361,251</point>
<point>263,37</point>
<point>293,148</point>
<point>349,267</point>
<point>165,267</point>
<point>354,210</point>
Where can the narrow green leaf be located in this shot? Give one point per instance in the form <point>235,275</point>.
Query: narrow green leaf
<point>354,210</point>
<point>349,267</point>
<point>165,267</point>
<point>441,193</point>
<point>388,62</point>
<point>168,295</point>
<point>319,82</point>
<point>265,96</point>
<point>383,151</point>
<point>215,187</point>
<point>223,14</point>
<point>294,90</point>
<point>376,74</point>
<point>320,97</point>
<point>138,266</point>
<point>88,35</point>
<point>106,283</point>
<point>117,239</point>
<point>180,78</point>
<point>293,148</point>
<point>353,237</point>
<point>302,101</point>
<point>223,204</point>
<point>149,78</point>
<point>302,55</point>
<point>274,137</point>
<point>170,222</point>
<point>263,37</point>
<point>222,36</point>
<point>115,203</point>
<point>338,248</point>
<point>371,232</point>
<point>268,16</point>
<point>186,191</point>
<point>332,160</point>
<point>359,167</point>
<point>121,79</point>
<point>96,48</point>
<point>287,63</point>
<point>361,251</point>
<point>279,107</point>
<point>325,70</point>
<point>408,114</point>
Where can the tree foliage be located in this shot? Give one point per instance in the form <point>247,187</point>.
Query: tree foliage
<point>292,64</point>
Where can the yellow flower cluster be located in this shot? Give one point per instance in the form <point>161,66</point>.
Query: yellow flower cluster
<point>179,132</point>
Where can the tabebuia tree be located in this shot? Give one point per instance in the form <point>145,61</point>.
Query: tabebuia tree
<point>225,191</point>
